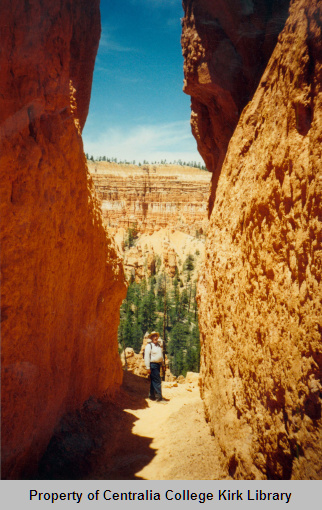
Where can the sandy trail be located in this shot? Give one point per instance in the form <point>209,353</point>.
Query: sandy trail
<point>181,440</point>
<point>133,438</point>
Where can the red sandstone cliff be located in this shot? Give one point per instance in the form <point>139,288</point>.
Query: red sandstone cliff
<point>260,292</point>
<point>62,282</point>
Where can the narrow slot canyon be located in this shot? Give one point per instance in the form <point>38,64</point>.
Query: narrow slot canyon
<point>226,265</point>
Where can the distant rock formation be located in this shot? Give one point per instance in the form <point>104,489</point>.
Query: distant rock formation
<point>153,196</point>
<point>140,263</point>
<point>169,259</point>
<point>135,262</point>
<point>62,281</point>
<point>260,292</point>
<point>166,205</point>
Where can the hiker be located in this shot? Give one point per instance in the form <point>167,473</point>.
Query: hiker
<point>153,357</point>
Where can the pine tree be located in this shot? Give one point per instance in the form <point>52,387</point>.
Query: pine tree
<point>147,316</point>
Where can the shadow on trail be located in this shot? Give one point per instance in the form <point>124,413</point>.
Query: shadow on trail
<point>96,442</point>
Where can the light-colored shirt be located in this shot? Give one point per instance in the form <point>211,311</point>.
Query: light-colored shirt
<point>153,353</point>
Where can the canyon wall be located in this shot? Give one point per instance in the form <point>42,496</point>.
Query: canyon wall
<point>152,197</point>
<point>62,280</point>
<point>226,45</point>
<point>260,290</point>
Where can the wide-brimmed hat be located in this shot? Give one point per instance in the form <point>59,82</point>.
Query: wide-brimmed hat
<point>154,333</point>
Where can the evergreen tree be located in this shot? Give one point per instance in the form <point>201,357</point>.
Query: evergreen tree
<point>177,363</point>
<point>189,263</point>
<point>131,236</point>
<point>160,304</point>
<point>147,316</point>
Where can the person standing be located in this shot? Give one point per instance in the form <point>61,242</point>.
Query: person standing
<point>153,358</point>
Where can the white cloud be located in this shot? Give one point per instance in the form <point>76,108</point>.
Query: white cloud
<point>170,141</point>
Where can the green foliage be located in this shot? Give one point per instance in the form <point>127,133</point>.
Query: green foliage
<point>131,236</point>
<point>157,263</point>
<point>159,304</point>
<point>162,162</point>
<point>147,308</point>
<point>189,263</point>
<point>137,315</point>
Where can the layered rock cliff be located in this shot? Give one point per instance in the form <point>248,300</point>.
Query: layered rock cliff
<point>165,207</point>
<point>260,292</point>
<point>62,281</point>
<point>153,196</point>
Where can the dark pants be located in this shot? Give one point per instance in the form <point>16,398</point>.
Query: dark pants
<point>155,386</point>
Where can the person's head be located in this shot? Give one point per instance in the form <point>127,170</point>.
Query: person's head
<point>154,336</point>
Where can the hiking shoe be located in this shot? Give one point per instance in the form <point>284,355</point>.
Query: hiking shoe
<point>162,401</point>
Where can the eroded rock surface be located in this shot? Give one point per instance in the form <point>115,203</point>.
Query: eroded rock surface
<point>226,46</point>
<point>152,197</point>
<point>62,281</point>
<point>260,291</point>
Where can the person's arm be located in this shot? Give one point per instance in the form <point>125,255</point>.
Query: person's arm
<point>163,356</point>
<point>147,356</point>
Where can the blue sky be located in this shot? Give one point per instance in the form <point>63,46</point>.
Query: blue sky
<point>138,110</point>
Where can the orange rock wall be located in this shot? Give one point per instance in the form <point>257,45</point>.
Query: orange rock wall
<point>62,282</point>
<point>260,292</point>
<point>226,45</point>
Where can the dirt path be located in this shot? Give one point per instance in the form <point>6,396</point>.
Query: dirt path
<point>133,438</point>
<point>184,448</point>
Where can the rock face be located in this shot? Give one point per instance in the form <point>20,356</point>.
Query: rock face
<point>153,196</point>
<point>169,259</point>
<point>164,251</point>
<point>260,292</point>
<point>226,46</point>
<point>62,281</point>
<point>140,263</point>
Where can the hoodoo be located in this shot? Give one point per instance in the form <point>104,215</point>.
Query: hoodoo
<point>260,291</point>
<point>62,281</point>
<point>153,196</point>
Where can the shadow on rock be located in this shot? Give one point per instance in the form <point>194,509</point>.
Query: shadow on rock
<point>97,442</point>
